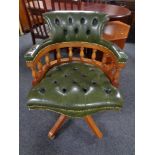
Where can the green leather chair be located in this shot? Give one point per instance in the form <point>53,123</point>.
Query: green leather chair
<point>68,76</point>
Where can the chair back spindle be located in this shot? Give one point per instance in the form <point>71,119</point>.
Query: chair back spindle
<point>93,57</point>
<point>81,53</point>
<point>47,60</point>
<point>58,55</point>
<point>70,54</point>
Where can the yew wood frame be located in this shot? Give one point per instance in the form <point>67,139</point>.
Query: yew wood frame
<point>109,65</point>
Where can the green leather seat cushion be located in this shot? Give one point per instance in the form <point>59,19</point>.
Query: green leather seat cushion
<point>75,89</point>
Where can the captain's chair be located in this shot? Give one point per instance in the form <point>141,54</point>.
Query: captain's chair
<point>73,84</point>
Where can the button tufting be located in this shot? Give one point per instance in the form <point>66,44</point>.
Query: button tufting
<point>94,82</point>
<point>57,22</point>
<point>95,22</point>
<point>84,90</point>
<point>74,81</point>
<point>65,31</point>
<point>70,20</point>
<point>42,90</point>
<point>64,90</point>
<point>88,32</point>
<point>55,82</point>
<point>76,30</point>
<point>82,20</point>
<point>75,93</point>
<point>107,90</point>
<point>65,75</point>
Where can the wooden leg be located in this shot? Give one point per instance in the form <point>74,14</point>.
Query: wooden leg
<point>57,125</point>
<point>93,126</point>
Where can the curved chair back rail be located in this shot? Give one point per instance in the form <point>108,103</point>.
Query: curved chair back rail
<point>109,63</point>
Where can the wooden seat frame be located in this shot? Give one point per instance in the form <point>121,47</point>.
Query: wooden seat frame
<point>109,64</point>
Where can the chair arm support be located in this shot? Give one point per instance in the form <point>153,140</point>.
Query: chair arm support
<point>118,52</point>
<point>120,56</point>
<point>33,51</point>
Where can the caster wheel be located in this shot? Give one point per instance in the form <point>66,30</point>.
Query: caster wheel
<point>51,136</point>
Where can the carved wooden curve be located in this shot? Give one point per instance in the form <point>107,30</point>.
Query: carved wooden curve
<point>44,60</point>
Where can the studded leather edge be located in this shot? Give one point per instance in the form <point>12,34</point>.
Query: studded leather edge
<point>75,113</point>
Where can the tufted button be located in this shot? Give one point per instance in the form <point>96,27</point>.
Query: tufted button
<point>82,20</point>
<point>74,82</point>
<point>88,31</point>
<point>65,31</point>
<point>70,20</point>
<point>76,30</point>
<point>94,82</point>
<point>95,22</point>
<point>66,75</point>
<point>64,90</point>
<point>42,90</point>
<point>57,22</point>
<point>107,90</point>
<point>55,82</point>
<point>84,90</point>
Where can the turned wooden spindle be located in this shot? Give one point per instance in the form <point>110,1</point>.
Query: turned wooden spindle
<point>110,65</point>
<point>81,53</point>
<point>70,54</point>
<point>104,59</point>
<point>112,72</point>
<point>40,66</point>
<point>106,62</point>
<point>47,60</point>
<point>58,55</point>
<point>93,57</point>
<point>34,75</point>
<point>116,77</point>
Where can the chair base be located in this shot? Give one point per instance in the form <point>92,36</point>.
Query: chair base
<point>62,118</point>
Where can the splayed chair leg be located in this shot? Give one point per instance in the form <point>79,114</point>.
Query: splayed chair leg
<point>93,126</point>
<point>57,126</point>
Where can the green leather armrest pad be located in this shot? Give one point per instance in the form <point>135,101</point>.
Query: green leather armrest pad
<point>119,53</point>
<point>35,49</point>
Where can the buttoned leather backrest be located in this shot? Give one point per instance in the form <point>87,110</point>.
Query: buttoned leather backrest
<point>75,25</point>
